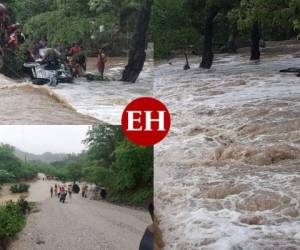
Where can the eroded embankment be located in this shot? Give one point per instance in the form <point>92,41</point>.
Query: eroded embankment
<point>25,103</point>
<point>228,175</point>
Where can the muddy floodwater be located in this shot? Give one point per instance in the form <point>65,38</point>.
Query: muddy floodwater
<point>106,100</point>
<point>228,175</point>
<point>81,102</point>
<point>28,104</point>
<point>38,192</point>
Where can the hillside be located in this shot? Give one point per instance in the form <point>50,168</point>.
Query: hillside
<point>45,157</point>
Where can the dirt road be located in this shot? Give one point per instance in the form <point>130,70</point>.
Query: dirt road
<point>80,224</point>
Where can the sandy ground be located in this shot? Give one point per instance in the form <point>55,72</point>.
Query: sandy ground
<point>79,224</point>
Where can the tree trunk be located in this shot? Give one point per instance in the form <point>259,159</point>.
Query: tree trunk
<point>137,53</point>
<point>207,54</point>
<point>255,39</point>
<point>231,43</point>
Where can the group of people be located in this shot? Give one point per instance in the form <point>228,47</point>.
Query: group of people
<point>53,57</point>
<point>61,191</point>
<point>11,37</point>
<point>10,33</point>
<point>74,56</point>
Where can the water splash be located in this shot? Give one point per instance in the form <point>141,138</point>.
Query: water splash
<point>227,177</point>
<point>106,100</point>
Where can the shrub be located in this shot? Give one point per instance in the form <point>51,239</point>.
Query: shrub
<point>19,188</point>
<point>6,176</point>
<point>12,220</point>
<point>24,205</point>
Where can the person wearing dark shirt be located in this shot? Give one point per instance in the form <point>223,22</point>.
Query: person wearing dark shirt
<point>148,237</point>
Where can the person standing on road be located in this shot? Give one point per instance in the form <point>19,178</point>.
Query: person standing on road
<point>83,191</point>
<point>55,189</point>
<point>51,191</point>
<point>59,190</point>
<point>152,238</point>
<point>70,191</point>
<point>62,189</point>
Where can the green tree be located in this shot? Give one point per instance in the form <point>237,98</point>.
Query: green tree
<point>133,167</point>
<point>261,15</point>
<point>173,27</point>
<point>102,142</point>
<point>211,8</point>
<point>137,52</point>
<point>120,9</point>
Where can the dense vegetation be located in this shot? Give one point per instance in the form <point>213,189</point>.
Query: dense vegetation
<point>94,23</point>
<point>12,220</point>
<point>19,188</point>
<point>13,169</point>
<point>222,25</point>
<point>120,27</point>
<point>111,161</point>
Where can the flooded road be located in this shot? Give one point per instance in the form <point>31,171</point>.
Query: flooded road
<point>82,102</point>
<point>79,223</point>
<point>39,191</point>
<point>228,175</point>
<point>106,100</point>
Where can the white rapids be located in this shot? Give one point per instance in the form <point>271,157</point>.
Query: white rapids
<point>228,175</point>
<point>106,100</point>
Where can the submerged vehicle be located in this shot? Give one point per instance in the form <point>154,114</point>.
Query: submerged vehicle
<point>42,72</point>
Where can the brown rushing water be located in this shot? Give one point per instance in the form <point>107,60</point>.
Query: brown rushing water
<point>106,100</point>
<point>228,175</point>
<point>39,191</point>
<point>28,104</point>
<point>82,102</point>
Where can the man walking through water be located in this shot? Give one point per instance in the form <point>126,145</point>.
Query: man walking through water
<point>101,61</point>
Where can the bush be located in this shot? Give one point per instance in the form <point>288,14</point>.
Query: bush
<point>6,177</point>
<point>19,188</point>
<point>13,63</point>
<point>12,220</point>
<point>140,198</point>
<point>24,205</point>
<point>133,167</point>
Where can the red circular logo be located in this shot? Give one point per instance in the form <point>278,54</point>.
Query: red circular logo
<point>146,121</point>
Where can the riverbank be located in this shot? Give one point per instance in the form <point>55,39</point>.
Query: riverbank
<point>227,175</point>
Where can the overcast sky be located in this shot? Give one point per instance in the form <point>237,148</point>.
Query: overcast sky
<point>41,139</point>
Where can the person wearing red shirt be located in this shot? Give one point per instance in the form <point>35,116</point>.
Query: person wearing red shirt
<point>75,50</point>
<point>101,61</point>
